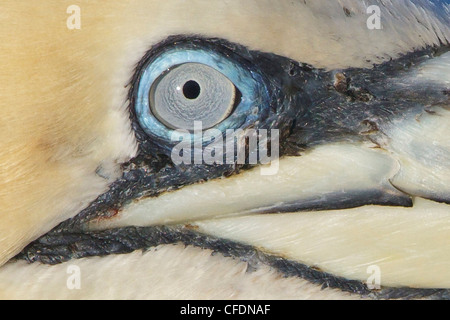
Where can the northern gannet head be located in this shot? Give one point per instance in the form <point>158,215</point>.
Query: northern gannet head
<point>93,95</point>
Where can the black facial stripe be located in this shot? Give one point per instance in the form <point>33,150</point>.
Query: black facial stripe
<point>145,177</point>
<point>57,248</point>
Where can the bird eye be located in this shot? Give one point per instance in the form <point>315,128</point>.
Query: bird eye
<point>192,92</point>
<point>184,83</point>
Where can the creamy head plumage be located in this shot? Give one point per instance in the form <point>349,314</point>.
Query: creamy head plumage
<point>87,171</point>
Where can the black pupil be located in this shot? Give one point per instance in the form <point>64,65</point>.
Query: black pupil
<point>191,90</point>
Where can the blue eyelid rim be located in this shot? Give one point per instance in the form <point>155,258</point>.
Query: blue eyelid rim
<point>249,82</point>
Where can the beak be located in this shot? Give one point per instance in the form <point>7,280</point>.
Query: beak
<point>363,170</point>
